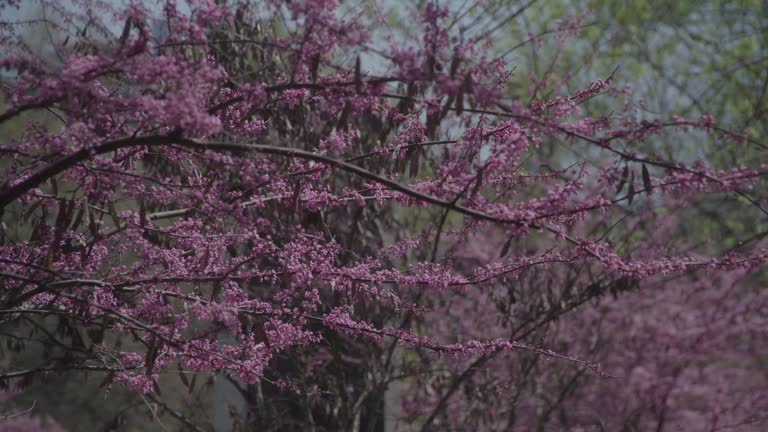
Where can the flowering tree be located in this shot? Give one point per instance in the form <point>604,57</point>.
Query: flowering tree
<point>307,200</point>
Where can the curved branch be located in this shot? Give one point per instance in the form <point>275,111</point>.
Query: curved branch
<point>16,191</point>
